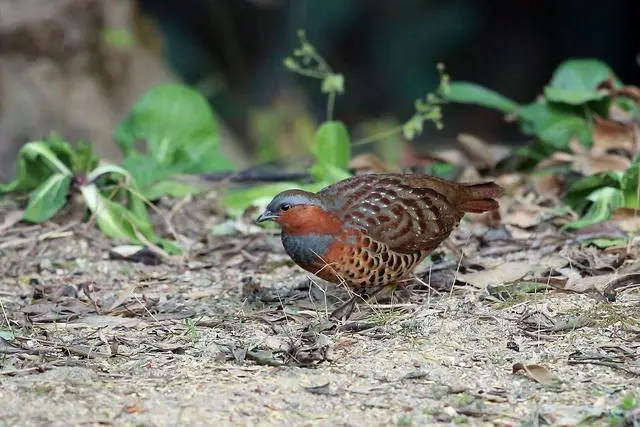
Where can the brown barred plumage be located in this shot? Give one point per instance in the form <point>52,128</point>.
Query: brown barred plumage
<point>372,230</point>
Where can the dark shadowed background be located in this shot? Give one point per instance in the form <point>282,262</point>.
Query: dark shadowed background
<point>77,66</point>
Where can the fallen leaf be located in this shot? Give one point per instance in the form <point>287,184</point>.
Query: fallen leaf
<point>595,283</point>
<point>503,273</point>
<point>536,372</point>
<point>368,163</point>
<point>11,219</point>
<point>627,219</point>
<point>614,287</point>
<point>612,136</point>
<point>523,218</point>
<point>592,164</point>
<point>6,334</point>
<point>476,150</point>
<point>548,185</point>
<point>632,92</point>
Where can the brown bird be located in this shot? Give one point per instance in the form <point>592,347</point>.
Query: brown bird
<point>371,231</point>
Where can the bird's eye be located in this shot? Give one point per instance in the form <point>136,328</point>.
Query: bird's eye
<point>284,207</point>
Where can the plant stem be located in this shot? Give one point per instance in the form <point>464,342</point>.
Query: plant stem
<point>330,105</point>
<point>309,73</point>
<point>378,136</point>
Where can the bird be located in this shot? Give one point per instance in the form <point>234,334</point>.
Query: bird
<point>371,231</point>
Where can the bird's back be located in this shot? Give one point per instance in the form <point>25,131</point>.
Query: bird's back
<point>407,212</point>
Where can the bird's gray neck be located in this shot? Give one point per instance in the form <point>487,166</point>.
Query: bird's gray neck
<point>306,249</point>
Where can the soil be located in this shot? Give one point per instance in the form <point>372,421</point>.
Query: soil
<point>235,334</point>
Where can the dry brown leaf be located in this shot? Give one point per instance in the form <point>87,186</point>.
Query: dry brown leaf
<point>547,263</point>
<point>632,92</point>
<point>504,273</point>
<point>588,283</point>
<point>548,185</point>
<point>368,163</point>
<point>476,150</point>
<point>536,372</point>
<point>523,218</point>
<point>511,182</point>
<point>593,164</point>
<point>627,219</point>
<point>609,135</point>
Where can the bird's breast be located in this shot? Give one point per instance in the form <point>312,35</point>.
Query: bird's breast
<point>308,249</point>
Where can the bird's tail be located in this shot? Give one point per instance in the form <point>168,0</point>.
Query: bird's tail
<point>481,197</point>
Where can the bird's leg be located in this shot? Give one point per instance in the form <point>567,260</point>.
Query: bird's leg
<point>345,310</point>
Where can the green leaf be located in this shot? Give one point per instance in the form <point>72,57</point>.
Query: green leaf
<point>37,161</point>
<point>6,334</point>
<point>108,168</point>
<point>471,93</point>
<point>630,185</point>
<point>114,219</point>
<point>604,243</point>
<point>170,188</point>
<point>577,194</point>
<point>440,169</point>
<point>236,201</point>
<point>575,82</point>
<point>554,125</point>
<point>332,150</point>
<point>48,198</point>
<point>605,200</point>
<point>177,127</point>
<point>83,159</point>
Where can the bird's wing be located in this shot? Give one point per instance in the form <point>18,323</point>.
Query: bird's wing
<point>405,213</point>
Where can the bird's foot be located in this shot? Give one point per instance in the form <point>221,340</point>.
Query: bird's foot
<point>344,311</point>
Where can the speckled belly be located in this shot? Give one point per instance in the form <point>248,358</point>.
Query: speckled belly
<point>362,263</point>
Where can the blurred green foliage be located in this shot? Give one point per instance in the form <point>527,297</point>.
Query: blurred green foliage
<point>178,134</point>
<point>332,145</point>
<point>565,111</point>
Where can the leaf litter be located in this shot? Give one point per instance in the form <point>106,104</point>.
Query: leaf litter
<point>238,320</point>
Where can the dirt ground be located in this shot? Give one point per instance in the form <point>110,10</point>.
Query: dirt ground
<point>235,334</point>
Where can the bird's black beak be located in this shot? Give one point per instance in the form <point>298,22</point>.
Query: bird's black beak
<point>267,215</point>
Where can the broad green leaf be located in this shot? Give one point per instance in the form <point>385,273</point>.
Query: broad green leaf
<point>578,193</point>
<point>471,93</point>
<point>107,168</point>
<point>332,150</point>
<point>575,82</point>
<point>630,185</point>
<point>37,161</point>
<point>170,188</point>
<point>608,243</point>
<point>239,200</point>
<point>114,219</point>
<point>554,125</point>
<point>48,198</point>
<point>605,200</point>
<point>440,169</point>
<point>177,127</point>
<point>83,159</point>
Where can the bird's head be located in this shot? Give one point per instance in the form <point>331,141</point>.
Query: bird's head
<point>301,212</point>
